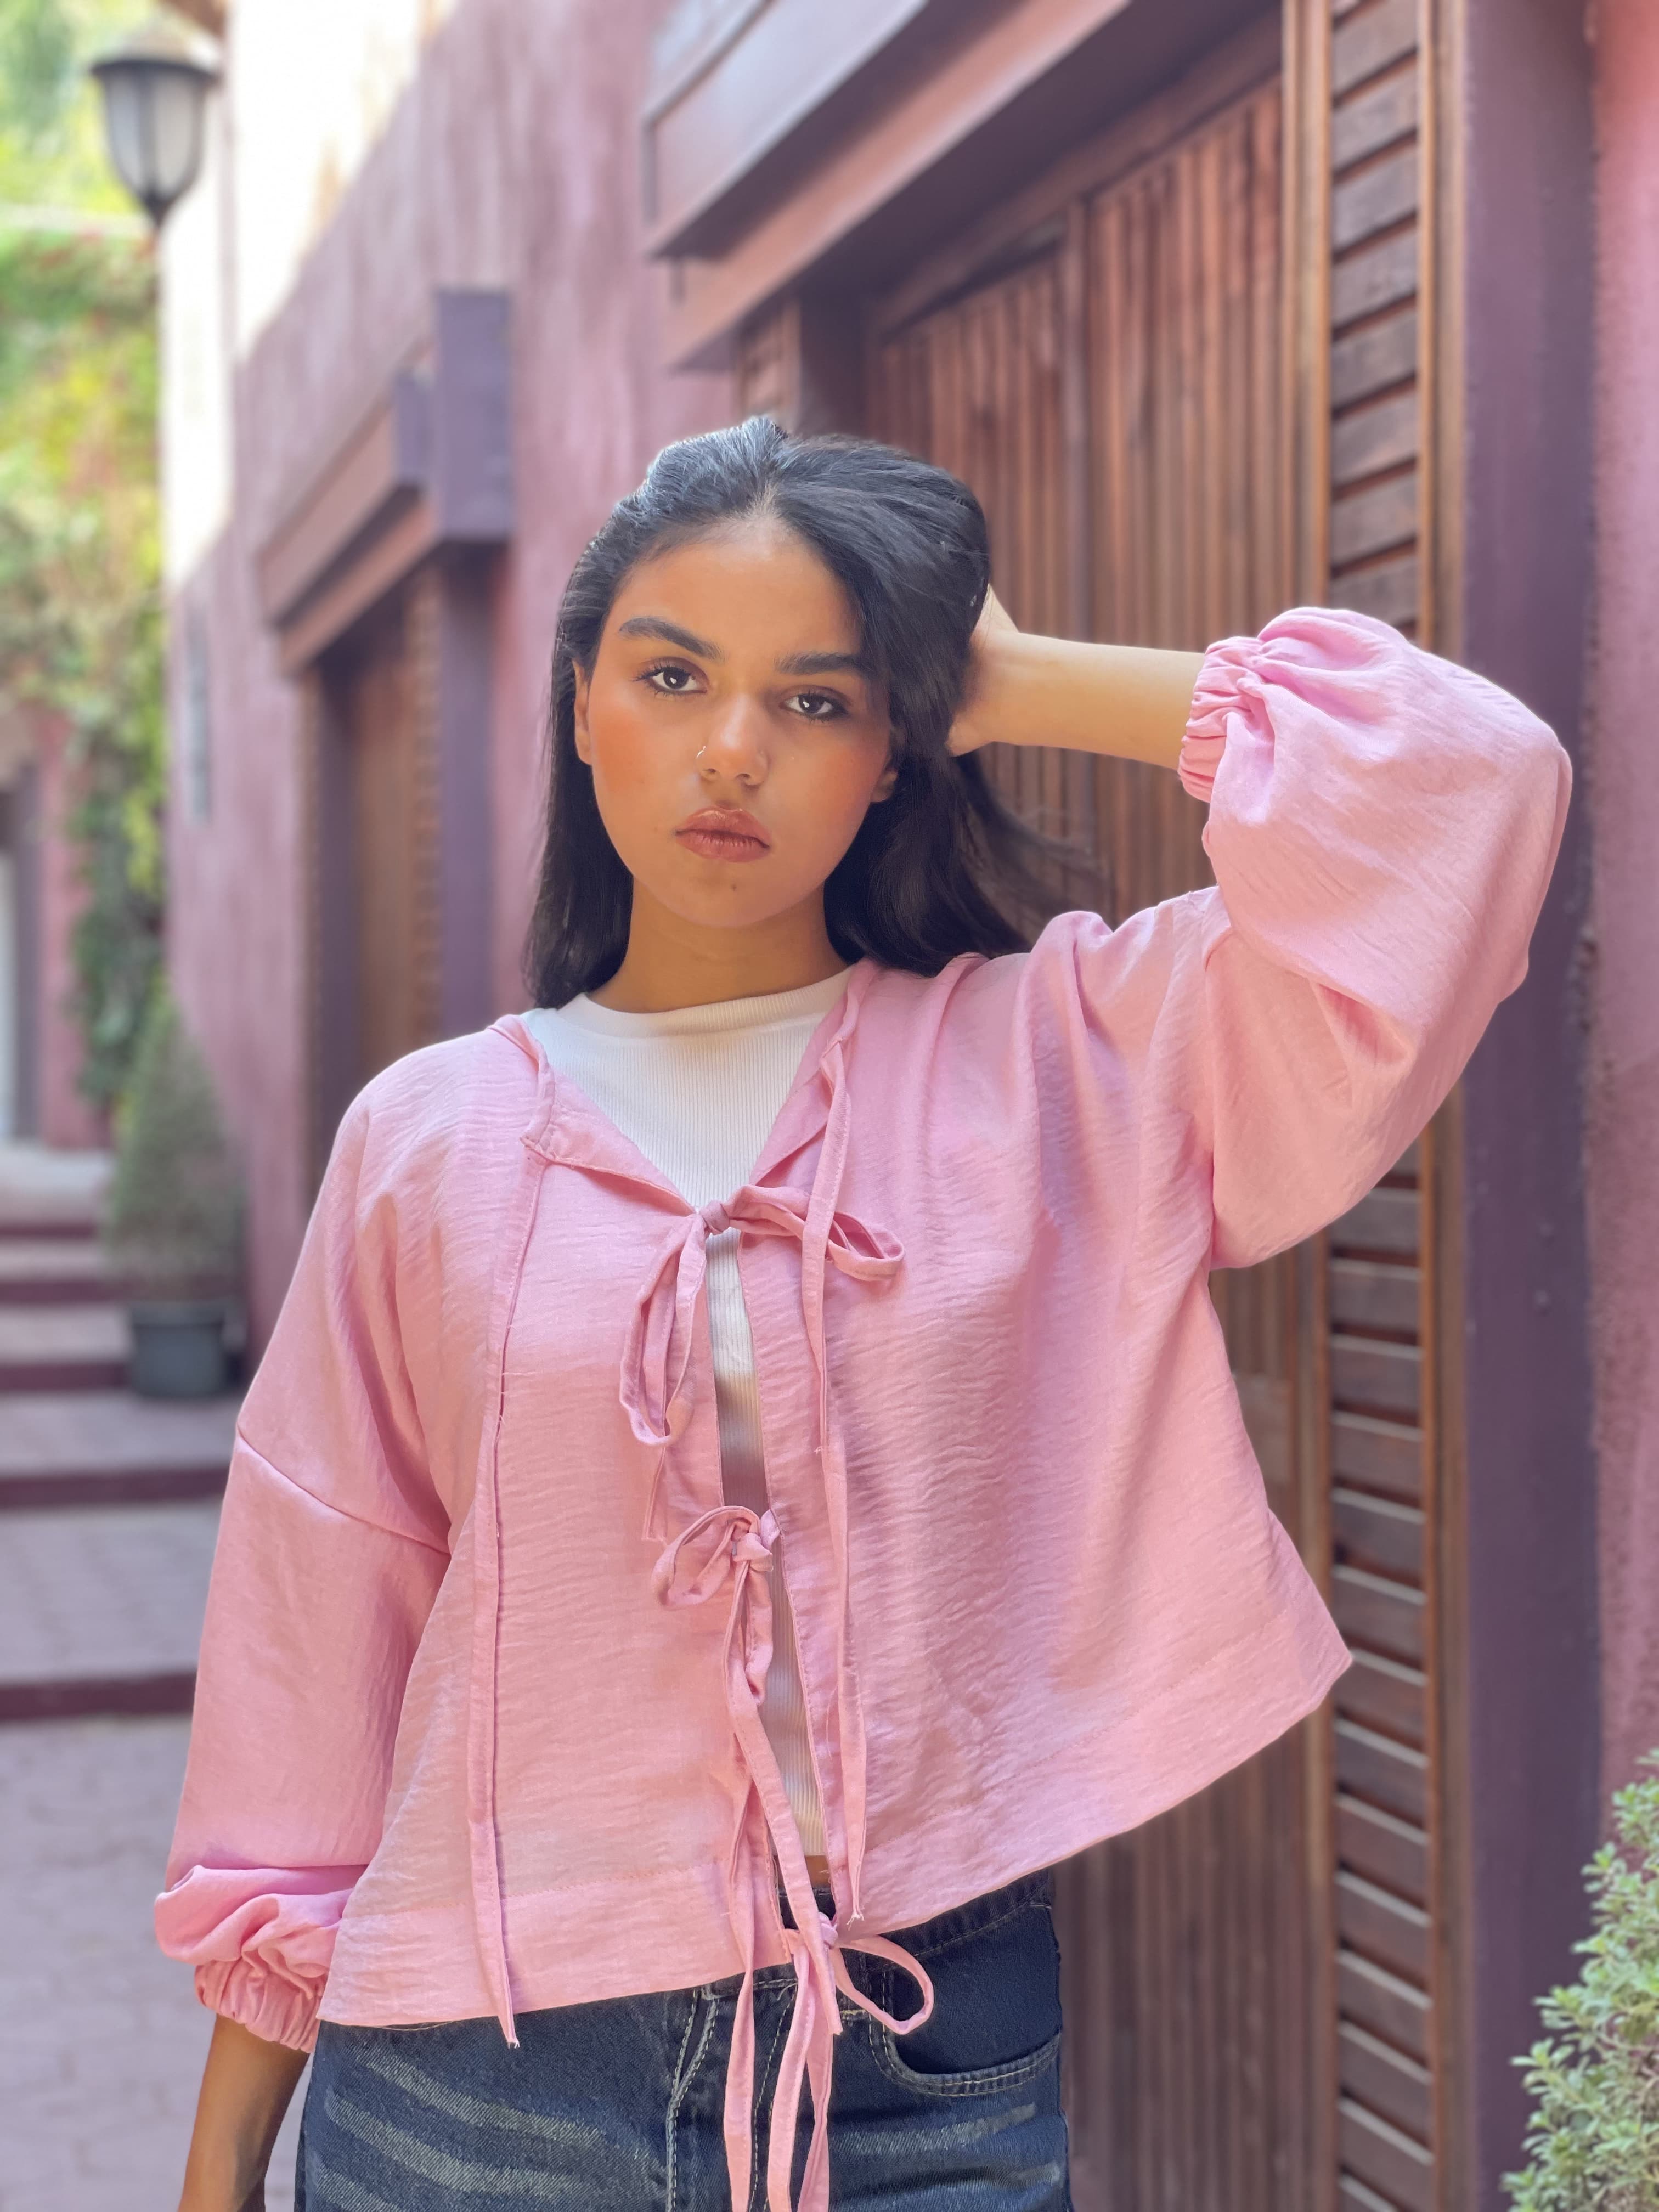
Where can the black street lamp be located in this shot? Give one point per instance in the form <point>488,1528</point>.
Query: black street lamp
<point>155,87</point>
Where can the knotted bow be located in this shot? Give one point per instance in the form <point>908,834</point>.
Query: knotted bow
<point>656,1367</point>
<point>656,1376</point>
<point>733,1543</point>
<point>726,1544</point>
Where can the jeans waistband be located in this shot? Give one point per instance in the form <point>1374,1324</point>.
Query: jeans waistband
<point>950,1925</point>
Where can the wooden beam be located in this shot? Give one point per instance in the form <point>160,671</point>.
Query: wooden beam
<point>707,299</point>
<point>206,15</point>
<point>382,463</point>
<point>1308,296</point>
<point>1522,175</point>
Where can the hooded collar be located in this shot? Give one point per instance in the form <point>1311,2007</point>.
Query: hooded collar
<point>566,1128</point>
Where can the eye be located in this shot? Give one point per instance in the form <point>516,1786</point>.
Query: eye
<point>684,679</point>
<point>818,705</point>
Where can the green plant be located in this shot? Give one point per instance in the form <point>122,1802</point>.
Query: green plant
<point>1593,2142</point>
<point>80,627</point>
<point>173,1224</point>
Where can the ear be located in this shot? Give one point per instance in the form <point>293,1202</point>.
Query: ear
<point>886,780</point>
<point>584,742</point>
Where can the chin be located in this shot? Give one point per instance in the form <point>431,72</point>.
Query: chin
<point>720,903</point>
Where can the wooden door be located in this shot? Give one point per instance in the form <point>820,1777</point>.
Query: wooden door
<point>372,802</point>
<point>390,808</point>
<point>1113,392</point>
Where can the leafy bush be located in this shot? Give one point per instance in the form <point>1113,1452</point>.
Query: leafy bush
<point>81,629</point>
<point>1593,2142</point>
<point>173,1224</point>
<point>81,634</point>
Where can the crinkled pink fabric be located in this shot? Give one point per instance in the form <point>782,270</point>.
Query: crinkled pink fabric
<point>260,1958</point>
<point>476,1726</point>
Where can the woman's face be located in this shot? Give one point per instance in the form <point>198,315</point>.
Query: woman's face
<point>734,741</point>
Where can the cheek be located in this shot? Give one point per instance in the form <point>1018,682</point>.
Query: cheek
<point>828,797</point>
<point>635,775</point>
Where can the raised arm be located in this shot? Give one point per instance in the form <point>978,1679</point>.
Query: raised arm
<point>1025,689</point>
<point>1383,827</point>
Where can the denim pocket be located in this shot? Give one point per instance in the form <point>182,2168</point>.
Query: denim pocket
<point>995,2024</point>
<point>969,2082</point>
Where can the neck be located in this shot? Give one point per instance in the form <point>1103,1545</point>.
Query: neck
<point>671,963</point>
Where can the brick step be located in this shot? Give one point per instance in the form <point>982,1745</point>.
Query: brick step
<point>67,1229</point>
<point>55,1271</point>
<point>50,1193</point>
<point>64,1347</point>
<point>114,1697</point>
<point>100,1607</point>
<point>110,1447</point>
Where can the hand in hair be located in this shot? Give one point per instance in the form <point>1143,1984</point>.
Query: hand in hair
<point>968,733</point>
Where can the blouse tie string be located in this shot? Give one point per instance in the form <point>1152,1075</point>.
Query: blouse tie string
<point>656,1363</point>
<point>733,1543</point>
<point>819,1247</point>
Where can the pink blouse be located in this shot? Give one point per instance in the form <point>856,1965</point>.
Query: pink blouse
<point>477,1724</point>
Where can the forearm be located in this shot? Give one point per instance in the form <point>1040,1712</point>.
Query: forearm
<point>1128,700</point>
<point>246,2085</point>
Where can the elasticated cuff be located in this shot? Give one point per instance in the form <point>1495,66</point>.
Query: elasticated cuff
<point>1225,678</point>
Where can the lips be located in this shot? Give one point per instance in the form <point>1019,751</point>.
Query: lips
<point>724,833</point>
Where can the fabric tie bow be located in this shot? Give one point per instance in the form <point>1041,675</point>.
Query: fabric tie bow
<point>656,1393</point>
<point>732,1543</point>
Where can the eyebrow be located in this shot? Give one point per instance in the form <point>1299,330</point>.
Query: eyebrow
<point>797,663</point>
<point>822,663</point>
<point>671,633</point>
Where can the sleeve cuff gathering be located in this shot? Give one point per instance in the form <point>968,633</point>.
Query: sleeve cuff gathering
<point>1224,679</point>
<point>263,2001</point>
<point>260,1944</point>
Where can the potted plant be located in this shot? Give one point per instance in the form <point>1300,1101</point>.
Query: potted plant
<point>173,1222</point>
<point>1593,2141</point>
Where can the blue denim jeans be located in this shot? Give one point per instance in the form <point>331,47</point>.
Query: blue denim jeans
<point>616,2107</point>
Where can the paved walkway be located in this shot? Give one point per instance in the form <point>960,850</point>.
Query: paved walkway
<point>108,1507</point>
<point>103,1592</point>
<point>101,2040</point>
<point>107,1447</point>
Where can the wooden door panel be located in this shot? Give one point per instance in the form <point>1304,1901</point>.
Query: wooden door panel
<point>1116,397</point>
<point>977,388</point>
<point>1186,1945</point>
<point>383,820</point>
<point>372,831</point>
<point>1184,382</point>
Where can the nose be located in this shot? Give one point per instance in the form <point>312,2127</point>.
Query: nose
<point>735,749</point>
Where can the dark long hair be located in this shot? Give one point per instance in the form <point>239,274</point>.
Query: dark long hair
<point>939,867</point>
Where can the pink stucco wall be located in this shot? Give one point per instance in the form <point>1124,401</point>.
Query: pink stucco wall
<point>513,162</point>
<point>1624,798</point>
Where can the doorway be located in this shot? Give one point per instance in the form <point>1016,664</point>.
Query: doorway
<point>374,845</point>
<point>1107,375</point>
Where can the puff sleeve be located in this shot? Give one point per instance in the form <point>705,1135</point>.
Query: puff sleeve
<point>1382,826</point>
<point>331,1548</point>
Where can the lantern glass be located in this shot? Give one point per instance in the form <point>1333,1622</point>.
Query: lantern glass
<point>153,116</point>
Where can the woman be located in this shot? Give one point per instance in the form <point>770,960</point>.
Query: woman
<point>854,1258</point>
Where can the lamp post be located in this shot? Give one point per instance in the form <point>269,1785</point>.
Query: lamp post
<point>155,87</point>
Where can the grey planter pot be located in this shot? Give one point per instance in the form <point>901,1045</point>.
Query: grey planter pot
<point>179,1347</point>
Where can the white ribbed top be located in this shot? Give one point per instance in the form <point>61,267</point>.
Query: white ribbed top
<point>698,1091</point>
